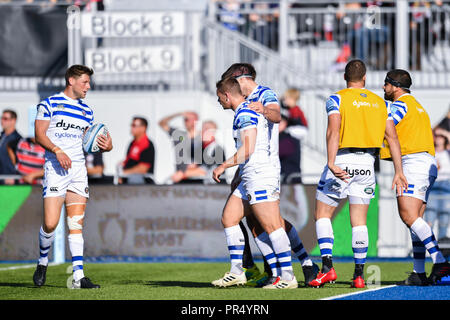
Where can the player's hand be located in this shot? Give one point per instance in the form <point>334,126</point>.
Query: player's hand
<point>339,173</point>
<point>105,142</point>
<point>63,159</point>
<point>257,107</point>
<point>400,183</point>
<point>217,173</point>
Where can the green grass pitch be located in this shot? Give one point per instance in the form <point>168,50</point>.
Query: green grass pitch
<point>175,281</point>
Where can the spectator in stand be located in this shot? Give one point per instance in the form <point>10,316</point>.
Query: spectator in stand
<point>95,167</point>
<point>185,142</point>
<point>28,158</point>
<point>289,152</point>
<point>229,15</point>
<point>8,135</point>
<point>297,123</point>
<point>213,154</point>
<point>438,206</point>
<point>140,158</point>
<point>445,123</point>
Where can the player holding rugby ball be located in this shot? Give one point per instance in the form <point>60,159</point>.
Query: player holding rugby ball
<point>60,123</point>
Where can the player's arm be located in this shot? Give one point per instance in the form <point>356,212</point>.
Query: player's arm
<point>164,122</point>
<point>334,125</point>
<point>40,133</point>
<point>248,137</point>
<point>391,137</point>
<point>29,178</point>
<point>271,111</point>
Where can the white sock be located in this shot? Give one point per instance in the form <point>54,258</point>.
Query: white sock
<point>418,253</point>
<point>298,249</point>
<point>360,244</point>
<point>325,237</point>
<point>425,234</point>
<point>282,248</point>
<point>45,243</point>
<point>265,246</point>
<point>236,243</point>
<point>76,244</point>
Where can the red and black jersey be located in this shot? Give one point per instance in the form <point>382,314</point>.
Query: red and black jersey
<point>140,151</point>
<point>29,156</point>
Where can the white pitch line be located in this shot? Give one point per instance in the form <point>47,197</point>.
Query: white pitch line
<point>26,266</point>
<point>359,292</point>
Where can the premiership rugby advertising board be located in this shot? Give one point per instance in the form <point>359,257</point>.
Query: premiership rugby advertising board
<point>155,221</point>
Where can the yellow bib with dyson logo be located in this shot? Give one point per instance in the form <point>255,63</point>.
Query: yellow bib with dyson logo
<point>413,128</point>
<point>363,119</point>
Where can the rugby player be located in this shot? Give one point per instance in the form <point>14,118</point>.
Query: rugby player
<point>358,120</point>
<point>60,123</point>
<point>413,127</point>
<point>265,101</point>
<point>260,180</point>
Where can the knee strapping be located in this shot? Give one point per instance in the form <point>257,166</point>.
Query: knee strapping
<point>74,215</point>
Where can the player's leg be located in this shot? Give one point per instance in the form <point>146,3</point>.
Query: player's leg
<point>324,210</point>
<point>262,240</point>
<point>76,199</point>
<point>268,215</point>
<point>310,269</point>
<point>360,237</point>
<point>410,209</point>
<point>52,213</point>
<point>232,214</point>
<point>251,269</point>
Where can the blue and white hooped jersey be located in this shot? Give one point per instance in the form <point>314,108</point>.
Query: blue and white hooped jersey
<point>68,120</point>
<point>267,96</point>
<point>245,119</point>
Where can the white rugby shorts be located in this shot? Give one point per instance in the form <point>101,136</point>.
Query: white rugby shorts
<point>420,169</point>
<point>259,189</point>
<point>359,188</point>
<point>58,181</point>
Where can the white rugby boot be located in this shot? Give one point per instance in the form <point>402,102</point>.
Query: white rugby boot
<point>282,284</point>
<point>230,279</point>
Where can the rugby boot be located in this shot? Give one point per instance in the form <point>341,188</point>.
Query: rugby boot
<point>39,275</point>
<point>439,271</point>
<point>310,273</point>
<point>84,283</point>
<point>252,272</point>
<point>282,284</point>
<point>230,279</point>
<point>323,278</point>
<point>415,279</point>
<point>358,282</point>
<point>258,281</point>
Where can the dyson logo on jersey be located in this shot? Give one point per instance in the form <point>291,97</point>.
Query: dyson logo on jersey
<point>355,172</point>
<point>67,126</point>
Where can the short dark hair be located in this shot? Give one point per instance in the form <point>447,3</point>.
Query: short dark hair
<point>230,85</point>
<point>12,113</point>
<point>240,69</point>
<point>401,78</point>
<point>143,121</point>
<point>355,71</point>
<point>76,71</point>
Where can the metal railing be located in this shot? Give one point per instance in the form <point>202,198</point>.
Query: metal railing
<point>319,37</point>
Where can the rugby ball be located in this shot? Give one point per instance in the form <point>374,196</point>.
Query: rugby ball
<point>90,137</point>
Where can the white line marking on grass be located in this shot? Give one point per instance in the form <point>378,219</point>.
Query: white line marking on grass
<point>26,266</point>
<point>359,292</point>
